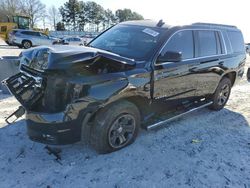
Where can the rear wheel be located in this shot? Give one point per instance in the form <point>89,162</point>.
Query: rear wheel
<point>27,44</point>
<point>115,127</point>
<point>221,95</point>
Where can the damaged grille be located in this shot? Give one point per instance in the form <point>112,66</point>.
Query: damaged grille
<point>27,89</point>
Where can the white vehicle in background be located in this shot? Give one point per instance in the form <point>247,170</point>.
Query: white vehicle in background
<point>87,39</point>
<point>74,41</point>
<point>29,38</point>
<point>248,48</point>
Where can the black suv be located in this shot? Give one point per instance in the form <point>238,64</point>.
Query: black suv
<point>135,74</point>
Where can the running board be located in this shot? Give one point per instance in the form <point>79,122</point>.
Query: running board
<point>158,124</point>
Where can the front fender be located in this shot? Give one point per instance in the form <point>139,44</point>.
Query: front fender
<point>104,93</point>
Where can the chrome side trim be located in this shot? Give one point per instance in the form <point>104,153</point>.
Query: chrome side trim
<point>150,127</point>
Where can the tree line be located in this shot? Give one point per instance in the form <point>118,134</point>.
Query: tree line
<point>74,15</point>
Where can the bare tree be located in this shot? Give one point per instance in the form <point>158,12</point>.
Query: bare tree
<point>53,16</point>
<point>34,9</point>
<point>10,7</point>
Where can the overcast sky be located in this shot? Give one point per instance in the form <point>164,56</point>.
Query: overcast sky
<point>178,12</point>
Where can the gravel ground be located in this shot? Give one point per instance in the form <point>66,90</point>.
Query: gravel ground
<point>203,149</point>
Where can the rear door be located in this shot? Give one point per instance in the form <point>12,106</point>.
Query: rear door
<point>74,41</point>
<point>44,39</point>
<point>210,52</point>
<point>176,80</point>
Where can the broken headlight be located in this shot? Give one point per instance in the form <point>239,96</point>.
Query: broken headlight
<point>40,61</point>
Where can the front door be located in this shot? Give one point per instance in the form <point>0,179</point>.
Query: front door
<point>176,80</point>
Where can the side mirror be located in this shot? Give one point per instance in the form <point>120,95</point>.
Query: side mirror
<point>170,57</point>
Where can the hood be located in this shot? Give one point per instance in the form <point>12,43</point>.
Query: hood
<point>63,57</point>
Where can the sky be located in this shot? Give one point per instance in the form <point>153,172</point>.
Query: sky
<point>180,12</point>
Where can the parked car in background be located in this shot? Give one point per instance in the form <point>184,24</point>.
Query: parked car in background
<point>74,41</point>
<point>28,38</point>
<point>124,78</point>
<point>248,48</point>
<point>88,38</point>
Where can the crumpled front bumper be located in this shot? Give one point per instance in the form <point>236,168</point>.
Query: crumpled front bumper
<point>63,127</point>
<point>52,128</point>
<point>58,128</point>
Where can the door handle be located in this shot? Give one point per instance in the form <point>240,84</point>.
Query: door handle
<point>192,69</point>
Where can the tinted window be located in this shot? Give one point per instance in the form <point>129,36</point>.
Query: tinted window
<point>13,32</point>
<point>236,40</point>
<point>227,42</point>
<point>207,43</point>
<point>181,42</point>
<point>220,47</point>
<point>26,32</point>
<point>30,33</point>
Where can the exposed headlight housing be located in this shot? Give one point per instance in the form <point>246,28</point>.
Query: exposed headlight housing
<point>40,60</point>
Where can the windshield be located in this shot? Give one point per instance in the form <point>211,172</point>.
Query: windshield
<point>134,42</point>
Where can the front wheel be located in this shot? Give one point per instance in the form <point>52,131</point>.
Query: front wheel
<point>221,95</point>
<point>115,127</point>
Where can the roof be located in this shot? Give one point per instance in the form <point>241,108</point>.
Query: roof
<point>151,23</point>
<point>213,26</point>
<point>146,23</point>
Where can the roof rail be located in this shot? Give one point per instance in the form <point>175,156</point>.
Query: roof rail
<point>160,23</point>
<point>212,24</point>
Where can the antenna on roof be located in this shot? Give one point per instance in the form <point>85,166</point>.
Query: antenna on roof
<point>160,23</point>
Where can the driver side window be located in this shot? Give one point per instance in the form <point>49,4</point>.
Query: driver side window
<point>183,42</point>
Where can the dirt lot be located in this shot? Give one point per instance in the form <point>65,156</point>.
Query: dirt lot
<point>219,155</point>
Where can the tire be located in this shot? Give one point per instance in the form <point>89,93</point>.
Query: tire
<point>221,95</point>
<point>108,133</point>
<point>26,44</point>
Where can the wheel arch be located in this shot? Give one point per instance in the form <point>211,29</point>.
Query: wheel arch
<point>231,76</point>
<point>27,41</point>
<point>141,102</point>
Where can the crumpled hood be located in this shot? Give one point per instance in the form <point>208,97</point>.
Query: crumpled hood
<point>62,57</point>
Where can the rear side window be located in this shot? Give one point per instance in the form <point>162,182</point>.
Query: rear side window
<point>181,42</point>
<point>207,43</point>
<point>31,33</point>
<point>227,43</point>
<point>236,40</point>
<point>26,33</point>
<point>13,32</point>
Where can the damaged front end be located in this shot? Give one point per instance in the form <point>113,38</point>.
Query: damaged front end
<point>56,86</point>
<point>26,88</point>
